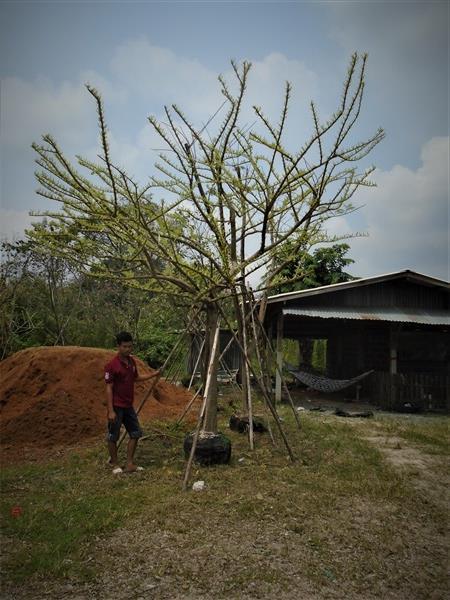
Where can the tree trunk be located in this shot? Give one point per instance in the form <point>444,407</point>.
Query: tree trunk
<point>210,422</point>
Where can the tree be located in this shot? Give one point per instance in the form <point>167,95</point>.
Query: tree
<point>47,301</point>
<point>324,266</point>
<point>230,199</point>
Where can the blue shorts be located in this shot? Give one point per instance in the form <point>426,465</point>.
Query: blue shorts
<point>127,417</point>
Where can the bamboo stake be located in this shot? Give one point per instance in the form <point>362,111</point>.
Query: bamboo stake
<point>176,373</point>
<point>196,363</point>
<point>175,367</point>
<point>189,404</point>
<point>263,390</point>
<point>291,402</point>
<point>202,411</point>
<point>258,356</point>
<point>191,401</point>
<point>247,377</point>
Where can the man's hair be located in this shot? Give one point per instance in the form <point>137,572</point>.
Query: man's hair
<point>123,336</point>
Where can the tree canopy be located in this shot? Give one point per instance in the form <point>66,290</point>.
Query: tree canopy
<point>305,270</point>
<point>227,197</point>
<point>227,200</point>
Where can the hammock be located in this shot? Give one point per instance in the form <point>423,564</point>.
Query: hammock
<point>324,384</point>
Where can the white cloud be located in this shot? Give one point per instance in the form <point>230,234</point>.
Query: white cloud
<point>158,76</point>
<point>29,109</point>
<point>141,79</point>
<point>406,216</point>
<point>13,223</point>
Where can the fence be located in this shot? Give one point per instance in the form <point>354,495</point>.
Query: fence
<point>410,391</point>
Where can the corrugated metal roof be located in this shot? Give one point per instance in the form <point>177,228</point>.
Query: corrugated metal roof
<point>404,315</point>
<point>406,274</point>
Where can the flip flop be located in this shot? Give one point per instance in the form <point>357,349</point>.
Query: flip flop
<point>117,471</point>
<point>135,470</point>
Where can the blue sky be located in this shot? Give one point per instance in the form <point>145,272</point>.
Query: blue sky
<point>141,55</point>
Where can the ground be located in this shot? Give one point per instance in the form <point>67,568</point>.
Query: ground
<point>360,515</point>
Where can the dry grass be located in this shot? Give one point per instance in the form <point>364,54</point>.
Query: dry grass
<point>340,522</point>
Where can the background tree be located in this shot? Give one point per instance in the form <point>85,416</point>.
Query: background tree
<point>324,266</point>
<point>47,301</point>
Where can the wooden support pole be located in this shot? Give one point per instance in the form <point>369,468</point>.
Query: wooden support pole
<point>263,390</point>
<point>279,369</point>
<point>212,360</point>
<point>393,350</point>
<point>212,346</point>
<point>279,358</point>
<point>247,378</point>
<point>189,405</point>
<point>258,356</point>
<point>196,363</point>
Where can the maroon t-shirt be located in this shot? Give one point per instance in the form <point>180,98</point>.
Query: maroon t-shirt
<point>122,373</point>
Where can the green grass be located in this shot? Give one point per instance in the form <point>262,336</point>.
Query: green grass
<point>340,493</point>
<point>430,433</point>
<point>67,503</point>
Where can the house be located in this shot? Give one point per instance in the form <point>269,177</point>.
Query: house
<point>395,324</point>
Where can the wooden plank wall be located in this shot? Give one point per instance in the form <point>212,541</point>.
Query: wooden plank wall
<point>405,391</point>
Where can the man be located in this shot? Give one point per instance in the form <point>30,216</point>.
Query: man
<point>120,375</point>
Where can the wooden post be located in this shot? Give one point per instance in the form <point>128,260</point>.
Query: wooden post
<point>263,390</point>
<point>393,350</point>
<point>247,377</point>
<point>279,358</point>
<point>280,374</point>
<point>260,363</point>
<point>209,380</point>
<point>211,346</point>
<point>393,346</point>
<point>196,363</point>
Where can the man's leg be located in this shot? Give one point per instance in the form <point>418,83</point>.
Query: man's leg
<point>131,422</point>
<point>113,460</point>
<point>131,449</point>
<point>113,436</point>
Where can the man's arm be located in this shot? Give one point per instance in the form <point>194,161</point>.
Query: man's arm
<point>147,377</point>
<point>109,399</point>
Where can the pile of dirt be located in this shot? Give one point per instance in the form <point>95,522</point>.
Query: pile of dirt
<point>55,396</point>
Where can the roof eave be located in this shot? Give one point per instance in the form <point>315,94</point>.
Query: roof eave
<point>407,274</point>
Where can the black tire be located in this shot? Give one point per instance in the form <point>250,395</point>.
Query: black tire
<point>241,424</point>
<point>209,451</point>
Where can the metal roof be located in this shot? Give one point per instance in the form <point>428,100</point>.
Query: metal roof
<point>406,274</point>
<point>404,315</point>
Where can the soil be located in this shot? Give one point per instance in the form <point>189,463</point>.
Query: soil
<point>309,399</point>
<point>54,397</point>
<point>419,466</point>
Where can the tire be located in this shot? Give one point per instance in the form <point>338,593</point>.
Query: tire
<point>209,451</point>
<point>241,424</point>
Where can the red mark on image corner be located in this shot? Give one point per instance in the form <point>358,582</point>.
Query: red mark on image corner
<point>16,511</point>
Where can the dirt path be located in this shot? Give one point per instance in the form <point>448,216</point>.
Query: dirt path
<point>428,472</point>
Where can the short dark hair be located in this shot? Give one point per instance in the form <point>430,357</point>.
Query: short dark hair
<point>123,336</point>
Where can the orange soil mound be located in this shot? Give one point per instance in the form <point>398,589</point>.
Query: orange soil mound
<point>53,396</point>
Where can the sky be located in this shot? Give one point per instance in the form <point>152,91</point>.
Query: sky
<point>143,55</point>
